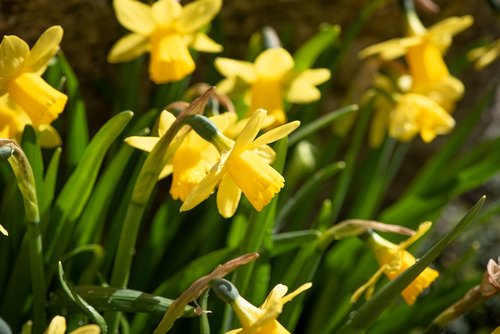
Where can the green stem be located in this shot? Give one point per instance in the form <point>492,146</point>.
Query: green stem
<point>141,193</point>
<point>347,174</point>
<point>26,183</point>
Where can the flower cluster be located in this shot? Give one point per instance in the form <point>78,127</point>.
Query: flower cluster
<point>423,98</point>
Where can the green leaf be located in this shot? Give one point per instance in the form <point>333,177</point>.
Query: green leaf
<point>306,191</point>
<point>49,183</point>
<point>288,241</point>
<point>319,124</point>
<point>84,306</point>
<point>76,191</point>
<point>371,310</point>
<point>78,133</point>
<point>306,55</point>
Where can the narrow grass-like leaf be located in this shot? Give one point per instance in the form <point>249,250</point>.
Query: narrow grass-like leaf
<point>371,310</point>
<point>49,184</point>
<point>288,241</point>
<point>78,133</point>
<point>84,306</point>
<point>76,191</point>
<point>319,124</point>
<point>306,55</point>
<point>308,189</point>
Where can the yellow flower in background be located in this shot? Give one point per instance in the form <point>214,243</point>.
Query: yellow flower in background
<point>424,49</point>
<point>58,326</point>
<point>25,98</point>
<point>271,80</point>
<point>393,260</point>
<point>243,167</point>
<point>485,55</point>
<point>262,320</point>
<point>166,30</point>
<point>417,114</point>
<point>192,160</point>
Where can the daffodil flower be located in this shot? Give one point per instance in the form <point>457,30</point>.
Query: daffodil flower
<point>393,260</point>
<point>166,30</point>
<point>25,98</point>
<point>58,326</point>
<point>424,50</point>
<point>192,160</point>
<point>418,114</point>
<point>243,167</point>
<point>253,319</point>
<point>270,81</point>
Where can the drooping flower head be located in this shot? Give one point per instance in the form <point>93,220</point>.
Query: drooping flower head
<point>253,319</point>
<point>25,98</point>
<point>243,167</point>
<point>393,260</point>
<point>192,160</point>
<point>270,81</point>
<point>166,30</point>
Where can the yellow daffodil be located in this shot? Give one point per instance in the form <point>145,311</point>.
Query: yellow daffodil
<point>243,167</point>
<point>424,50</point>
<point>270,81</point>
<point>58,326</point>
<point>192,160</point>
<point>485,55</point>
<point>166,30</point>
<point>253,319</point>
<point>25,98</point>
<point>418,114</point>
<point>393,260</point>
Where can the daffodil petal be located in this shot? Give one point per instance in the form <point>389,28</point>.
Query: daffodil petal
<point>273,63</point>
<point>299,290</point>
<point>135,16</point>
<point>166,171</point>
<point>165,122</point>
<point>128,48</point>
<point>391,49</point>
<point>201,42</point>
<point>48,137</point>
<point>251,129</point>
<point>266,153</point>
<point>451,25</point>
<point>275,134</point>
<point>302,92</point>
<point>3,230</point>
<point>302,88</point>
<point>143,143</point>
<point>166,11</point>
<point>274,296</point>
<point>44,49</point>
<point>228,197</point>
<point>13,53</point>
<point>57,325</point>
<point>197,14</point>
<point>231,68</point>
<point>203,190</point>
<point>87,329</point>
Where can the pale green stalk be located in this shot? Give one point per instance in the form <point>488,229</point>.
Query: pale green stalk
<point>26,183</point>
